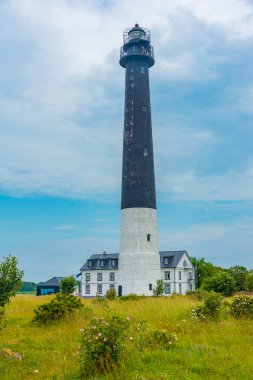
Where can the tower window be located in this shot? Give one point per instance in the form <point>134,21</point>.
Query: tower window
<point>179,275</point>
<point>145,151</point>
<point>142,69</point>
<point>148,237</point>
<point>144,108</point>
<point>147,193</point>
<point>150,286</point>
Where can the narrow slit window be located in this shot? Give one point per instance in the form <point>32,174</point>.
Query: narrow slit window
<point>150,286</point>
<point>148,237</point>
<point>145,151</point>
<point>142,69</point>
<point>144,108</point>
<point>147,193</point>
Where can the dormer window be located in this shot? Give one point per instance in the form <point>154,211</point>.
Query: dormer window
<point>113,262</point>
<point>89,263</point>
<point>166,260</point>
<point>102,263</point>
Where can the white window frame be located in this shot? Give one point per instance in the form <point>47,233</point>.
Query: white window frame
<point>167,275</point>
<point>167,288</point>
<point>111,276</point>
<point>87,276</point>
<point>87,288</point>
<point>99,276</point>
<point>99,289</point>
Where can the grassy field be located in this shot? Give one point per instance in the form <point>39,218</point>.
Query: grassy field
<point>210,350</point>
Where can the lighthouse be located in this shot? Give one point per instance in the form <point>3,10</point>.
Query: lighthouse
<point>139,263</point>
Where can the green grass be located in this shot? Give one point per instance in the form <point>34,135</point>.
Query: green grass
<point>204,351</point>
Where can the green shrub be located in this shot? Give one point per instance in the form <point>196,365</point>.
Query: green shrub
<point>242,307</point>
<point>160,288</point>
<point>130,297</point>
<point>198,295</point>
<point>102,344</point>
<point>211,309</point>
<point>68,285</point>
<point>161,339</point>
<point>111,294</point>
<point>59,308</point>
<point>220,283</point>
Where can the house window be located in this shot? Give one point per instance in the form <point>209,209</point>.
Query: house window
<point>112,277</point>
<point>99,277</point>
<point>166,261</point>
<point>167,275</point>
<point>112,286</point>
<point>87,289</point>
<point>89,263</point>
<point>142,69</point>
<point>148,237</point>
<point>102,263</point>
<point>144,108</point>
<point>167,288</point>
<point>145,151</point>
<point>180,275</point>
<point>150,286</point>
<point>87,276</point>
<point>113,263</point>
<point>180,288</point>
<point>99,289</point>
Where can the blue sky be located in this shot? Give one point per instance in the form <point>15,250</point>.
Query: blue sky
<point>61,126</point>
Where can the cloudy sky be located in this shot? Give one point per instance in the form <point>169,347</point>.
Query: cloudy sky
<point>61,126</point>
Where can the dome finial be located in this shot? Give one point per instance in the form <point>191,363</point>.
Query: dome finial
<point>136,25</point>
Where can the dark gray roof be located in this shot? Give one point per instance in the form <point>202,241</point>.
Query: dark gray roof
<point>173,256</point>
<point>54,281</point>
<point>95,262</point>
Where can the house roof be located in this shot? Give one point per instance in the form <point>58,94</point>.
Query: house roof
<point>107,260</point>
<point>54,281</point>
<point>173,256</point>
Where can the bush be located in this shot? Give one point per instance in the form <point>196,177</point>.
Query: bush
<point>161,339</point>
<point>198,295</point>
<point>111,294</point>
<point>211,309</point>
<point>249,281</point>
<point>59,308</point>
<point>242,307</point>
<point>130,297</point>
<point>160,288</point>
<point>68,285</point>
<point>102,344</point>
<point>220,283</point>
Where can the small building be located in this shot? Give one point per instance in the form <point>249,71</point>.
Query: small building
<point>101,272</point>
<point>49,287</point>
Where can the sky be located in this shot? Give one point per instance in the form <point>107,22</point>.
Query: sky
<point>61,128</point>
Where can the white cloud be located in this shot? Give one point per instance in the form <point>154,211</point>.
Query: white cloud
<point>61,98</point>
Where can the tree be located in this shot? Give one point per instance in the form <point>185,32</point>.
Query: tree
<point>249,281</point>
<point>220,283</point>
<point>10,279</point>
<point>239,274</point>
<point>28,287</point>
<point>160,288</point>
<point>68,285</point>
<point>203,270</point>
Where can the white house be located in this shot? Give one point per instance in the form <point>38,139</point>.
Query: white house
<point>101,272</point>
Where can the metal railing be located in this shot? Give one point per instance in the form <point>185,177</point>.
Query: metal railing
<point>137,51</point>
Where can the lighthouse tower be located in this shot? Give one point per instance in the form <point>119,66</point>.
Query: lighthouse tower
<point>139,260</point>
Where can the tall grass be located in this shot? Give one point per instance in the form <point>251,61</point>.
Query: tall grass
<point>210,350</point>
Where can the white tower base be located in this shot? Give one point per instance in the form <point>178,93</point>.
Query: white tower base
<point>139,259</point>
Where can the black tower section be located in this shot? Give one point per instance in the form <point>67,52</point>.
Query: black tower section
<point>138,179</point>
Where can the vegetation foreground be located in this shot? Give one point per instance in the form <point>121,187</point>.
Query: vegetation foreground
<point>203,350</point>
